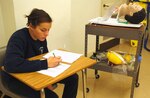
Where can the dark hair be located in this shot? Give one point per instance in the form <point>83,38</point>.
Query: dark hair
<point>137,17</point>
<point>38,16</point>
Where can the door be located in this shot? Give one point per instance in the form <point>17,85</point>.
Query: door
<point>108,4</point>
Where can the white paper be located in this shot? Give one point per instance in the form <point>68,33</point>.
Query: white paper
<point>53,72</point>
<point>113,22</point>
<point>68,57</point>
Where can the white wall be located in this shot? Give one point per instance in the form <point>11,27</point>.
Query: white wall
<point>58,10</point>
<point>81,12</point>
<point>7,21</point>
<point>2,34</point>
<point>69,20</point>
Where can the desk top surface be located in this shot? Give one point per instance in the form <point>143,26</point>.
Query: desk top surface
<point>143,27</point>
<point>115,31</point>
<point>39,81</point>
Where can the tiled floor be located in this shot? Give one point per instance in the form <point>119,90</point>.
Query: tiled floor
<point>115,85</point>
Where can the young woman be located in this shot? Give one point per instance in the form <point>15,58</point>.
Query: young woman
<point>28,42</point>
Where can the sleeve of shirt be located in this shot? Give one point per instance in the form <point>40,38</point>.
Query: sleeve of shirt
<point>15,61</point>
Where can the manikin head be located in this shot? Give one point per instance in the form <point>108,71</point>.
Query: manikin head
<point>132,12</point>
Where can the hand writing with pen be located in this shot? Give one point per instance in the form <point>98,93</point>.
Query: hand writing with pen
<point>53,61</point>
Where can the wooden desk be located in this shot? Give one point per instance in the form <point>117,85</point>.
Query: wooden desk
<point>39,81</point>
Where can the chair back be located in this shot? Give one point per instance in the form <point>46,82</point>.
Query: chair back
<point>2,55</point>
<point>3,89</point>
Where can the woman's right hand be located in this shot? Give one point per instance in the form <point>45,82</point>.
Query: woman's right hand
<point>53,61</point>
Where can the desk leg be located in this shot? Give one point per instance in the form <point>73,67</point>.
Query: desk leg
<point>84,82</point>
<point>42,93</point>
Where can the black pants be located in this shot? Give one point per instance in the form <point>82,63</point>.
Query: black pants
<point>70,87</point>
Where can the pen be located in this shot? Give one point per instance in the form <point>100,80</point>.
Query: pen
<point>53,54</point>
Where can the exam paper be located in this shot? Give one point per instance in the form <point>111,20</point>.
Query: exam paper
<point>68,57</point>
<point>53,72</point>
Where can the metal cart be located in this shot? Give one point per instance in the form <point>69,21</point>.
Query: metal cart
<point>117,32</point>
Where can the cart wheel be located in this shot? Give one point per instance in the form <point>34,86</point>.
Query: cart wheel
<point>137,84</point>
<point>97,76</point>
<point>87,90</point>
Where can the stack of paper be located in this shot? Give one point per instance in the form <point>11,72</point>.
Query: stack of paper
<point>68,57</point>
<point>53,72</point>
